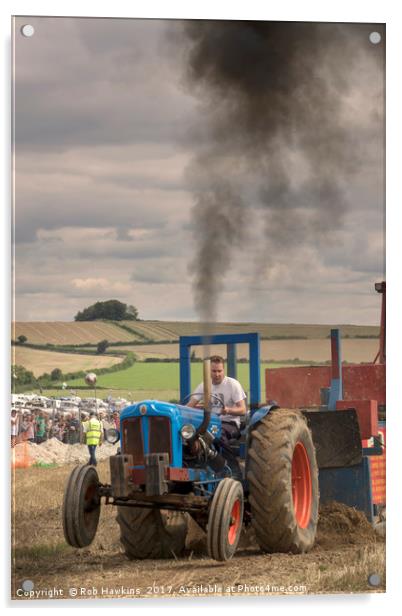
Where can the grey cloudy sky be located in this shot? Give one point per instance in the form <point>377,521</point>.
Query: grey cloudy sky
<point>106,133</point>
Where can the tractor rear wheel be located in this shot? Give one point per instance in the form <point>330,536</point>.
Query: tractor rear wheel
<point>225,519</point>
<point>152,533</point>
<point>283,482</point>
<point>81,506</point>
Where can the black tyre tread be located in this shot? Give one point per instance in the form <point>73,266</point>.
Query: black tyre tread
<point>140,522</point>
<point>84,534</point>
<point>75,532</point>
<point>68,511</point>
<point>221,506</point>
<point>269,476</point>
<point>214,518</point>
<point>236,489</point>
<point>146,533</point>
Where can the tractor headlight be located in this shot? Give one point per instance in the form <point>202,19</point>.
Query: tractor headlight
<point>112,435</point>
<point>187,431</point>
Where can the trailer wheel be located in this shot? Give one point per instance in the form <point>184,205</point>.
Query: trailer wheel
<point>152,533</point>
<point>283,483</point>
<point>225,519</point>
<point>81,506</point>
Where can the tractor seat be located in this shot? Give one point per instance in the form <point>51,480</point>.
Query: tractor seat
<point>235,444</point>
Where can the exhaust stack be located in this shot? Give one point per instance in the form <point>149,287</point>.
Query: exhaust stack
<point>207,383</point>
<point>207,399</point>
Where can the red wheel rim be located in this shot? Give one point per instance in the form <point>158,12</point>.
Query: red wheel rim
<point>301,485</point>
<point>235,521</point>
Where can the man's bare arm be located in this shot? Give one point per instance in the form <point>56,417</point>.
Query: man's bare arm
<point>238,409</point>
<point>196,402</point>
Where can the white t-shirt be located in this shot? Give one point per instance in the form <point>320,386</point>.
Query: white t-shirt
<point>229,392</point>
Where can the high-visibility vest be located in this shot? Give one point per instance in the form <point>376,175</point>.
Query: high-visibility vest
<point>93,431</point>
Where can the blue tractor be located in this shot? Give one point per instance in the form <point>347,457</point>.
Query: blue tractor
<point>172,464</point>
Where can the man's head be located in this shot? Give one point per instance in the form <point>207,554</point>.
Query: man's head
<point>217,369</point>
<point>93,414</point>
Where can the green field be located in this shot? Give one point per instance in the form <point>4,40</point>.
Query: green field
<point>154,379</point>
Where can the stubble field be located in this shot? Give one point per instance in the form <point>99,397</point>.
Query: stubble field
<point>91,332</point>
<point>40,362</point>
<point>354,350</point>
<point>70,332</point>
<point>347,551</point>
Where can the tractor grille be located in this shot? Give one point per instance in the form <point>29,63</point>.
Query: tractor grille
<point>159,437</point>
<point>132,439</point>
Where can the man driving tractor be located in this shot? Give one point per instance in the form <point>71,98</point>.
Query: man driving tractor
<point>228,399</point>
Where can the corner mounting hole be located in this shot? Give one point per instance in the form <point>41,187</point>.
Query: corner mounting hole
<point>375,38</point>
<point>27,30</point>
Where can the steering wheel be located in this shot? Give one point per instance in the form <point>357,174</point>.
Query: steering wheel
<point>215,396</point>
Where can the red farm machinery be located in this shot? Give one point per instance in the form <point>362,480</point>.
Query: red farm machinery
<point>337,388</point>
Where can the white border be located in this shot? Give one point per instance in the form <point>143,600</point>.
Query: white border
<point>308,10</point>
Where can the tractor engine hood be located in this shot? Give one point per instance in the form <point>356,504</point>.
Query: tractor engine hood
<point>178,413</point>
<point>172,418</point>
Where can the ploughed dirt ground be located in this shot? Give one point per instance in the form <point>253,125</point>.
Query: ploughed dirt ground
<point>346,553</point>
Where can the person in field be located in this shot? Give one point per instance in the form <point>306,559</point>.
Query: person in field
<point>14,427</point>
<point>93,433</point>
<point>228,399</point>
<point>116,420</point>
<point>28,428</point>
<point>40,428</point>
<point>73,430</point>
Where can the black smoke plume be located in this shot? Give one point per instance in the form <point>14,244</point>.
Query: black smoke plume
<point>278,142</point>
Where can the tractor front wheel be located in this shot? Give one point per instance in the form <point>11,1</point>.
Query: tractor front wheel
<point>81,506</point>
<point>283,482</point>
<point>225,519</point>
<point>152,533</point>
